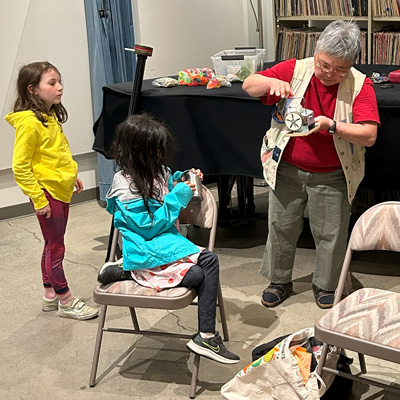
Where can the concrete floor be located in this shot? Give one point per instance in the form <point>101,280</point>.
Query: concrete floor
<point>46,356</point>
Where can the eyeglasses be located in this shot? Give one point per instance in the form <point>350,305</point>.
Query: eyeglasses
<point>327,69</point>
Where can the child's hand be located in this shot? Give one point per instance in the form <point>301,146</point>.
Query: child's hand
<point>46,211</point>
<point>78,186</point>
<point>197,172</point>
<point>191,185</point>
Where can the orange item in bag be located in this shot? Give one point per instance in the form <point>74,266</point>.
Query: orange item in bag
<point>303,359</point>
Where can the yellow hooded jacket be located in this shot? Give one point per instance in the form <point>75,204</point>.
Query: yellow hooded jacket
<point>42,158</point>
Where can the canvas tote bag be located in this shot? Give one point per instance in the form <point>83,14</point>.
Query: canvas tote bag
<point>276,375</point>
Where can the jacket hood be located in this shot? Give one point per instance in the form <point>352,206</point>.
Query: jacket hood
<point>16,118</point>
<point>121,188</point>
<point>28,117</point>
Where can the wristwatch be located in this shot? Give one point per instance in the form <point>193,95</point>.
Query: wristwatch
<point>332,128</point>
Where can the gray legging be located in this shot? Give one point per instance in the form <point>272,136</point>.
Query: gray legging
<point>204,277</point>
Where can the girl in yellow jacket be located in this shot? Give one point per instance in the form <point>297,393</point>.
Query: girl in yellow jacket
<point>46,172</point>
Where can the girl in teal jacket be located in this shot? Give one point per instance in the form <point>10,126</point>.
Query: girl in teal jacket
<point>150,231</point>
<point>146,200</point>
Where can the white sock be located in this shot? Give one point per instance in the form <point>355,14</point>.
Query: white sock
<point>207,335</point>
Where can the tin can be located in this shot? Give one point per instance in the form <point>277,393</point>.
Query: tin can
<point>198,193</point>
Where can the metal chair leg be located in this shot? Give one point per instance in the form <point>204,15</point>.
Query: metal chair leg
<point>134,318</point>
<point>99,338</point>
<point>321,362</point>
<point>223,314</point>
<point>110,241</point>
<point>363,365</point>
<point>195,374</point>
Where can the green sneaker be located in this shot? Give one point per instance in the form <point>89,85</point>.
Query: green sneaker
<point>77,309</point>
<point>49,304</point>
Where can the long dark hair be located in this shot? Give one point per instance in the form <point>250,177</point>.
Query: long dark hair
<point>31,74</point>
<point>142,147</point>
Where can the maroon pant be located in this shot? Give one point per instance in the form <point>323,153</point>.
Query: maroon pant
<point>53,230</point>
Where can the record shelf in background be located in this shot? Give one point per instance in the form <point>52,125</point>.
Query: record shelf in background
<point>299,24</point>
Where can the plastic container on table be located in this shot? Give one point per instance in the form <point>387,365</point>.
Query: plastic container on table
<point>241,62</point>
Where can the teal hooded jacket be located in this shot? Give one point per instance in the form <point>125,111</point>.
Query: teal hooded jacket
<point>150,240</point>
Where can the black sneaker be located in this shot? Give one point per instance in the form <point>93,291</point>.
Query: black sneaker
<point>112,272</point>
<point>213,348</point>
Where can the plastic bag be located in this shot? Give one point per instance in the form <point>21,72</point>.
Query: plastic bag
<point>217,81</point>
<point>165,82</point>
<point>245,70</point>
<point>195,76</point>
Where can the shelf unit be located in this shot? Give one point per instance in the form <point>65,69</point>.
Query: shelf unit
<point>371,26</point>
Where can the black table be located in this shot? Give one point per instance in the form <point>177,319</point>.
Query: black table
<point>220,130</point>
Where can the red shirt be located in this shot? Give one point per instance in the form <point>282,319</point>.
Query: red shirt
<point>316,152</point>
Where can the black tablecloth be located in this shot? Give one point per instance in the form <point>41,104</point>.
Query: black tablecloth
<point>220,130</point>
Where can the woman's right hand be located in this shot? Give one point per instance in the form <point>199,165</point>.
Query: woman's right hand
<point>280,88</point>
<point>257,85</point>
<point>46,211</point>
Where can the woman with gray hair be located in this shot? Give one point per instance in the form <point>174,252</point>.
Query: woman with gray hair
<point>340,39</point>
<point>315,161</point>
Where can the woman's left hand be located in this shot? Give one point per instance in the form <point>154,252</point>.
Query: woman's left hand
<point>323,122</point>
<point>197,172</point>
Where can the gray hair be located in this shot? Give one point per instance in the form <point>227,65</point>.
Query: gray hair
<point>340,39</point>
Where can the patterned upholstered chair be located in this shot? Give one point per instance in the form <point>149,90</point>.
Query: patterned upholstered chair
<point>132,295</point>
<point>367,321</point>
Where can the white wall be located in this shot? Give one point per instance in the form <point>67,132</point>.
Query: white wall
<point>183,34</point>
<point>34,30</point>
